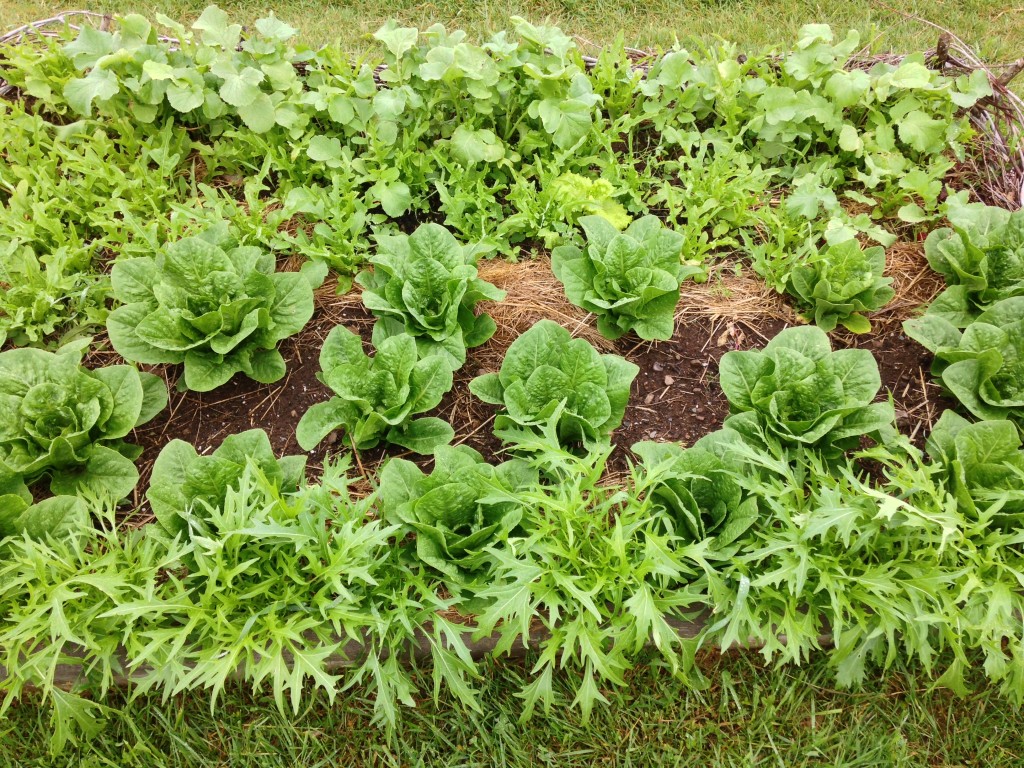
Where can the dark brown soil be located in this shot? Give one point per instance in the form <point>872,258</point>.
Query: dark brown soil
<point>676,396</point>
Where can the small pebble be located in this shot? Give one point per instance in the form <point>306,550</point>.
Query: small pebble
<point>669,381</point>
<point>649,399</point>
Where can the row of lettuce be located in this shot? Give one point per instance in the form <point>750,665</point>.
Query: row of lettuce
<point>220,309</point>
<point>122,140</point>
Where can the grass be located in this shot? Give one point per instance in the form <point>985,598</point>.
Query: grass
<point>995,27</point>
<point>749,716</point>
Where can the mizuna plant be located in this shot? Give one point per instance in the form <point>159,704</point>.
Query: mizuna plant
<point>376,397</point>
<point>184,484</point>
<point>983,466</point>
<point>216,307</point>
<point>547,373</point>
<point>798,392</point>
<point>981,258</point>
<point>596,568</point>
<point>630,279</point>
<point>426,285</point>
<point>983,365</point>
<point>64,422</point>
<point>841,283</point>
<point>459,512</point>
<point>697,487</point>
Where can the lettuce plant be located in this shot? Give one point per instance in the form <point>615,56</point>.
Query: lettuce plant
<point>697,487</point>
<point>459,511</point>
<point>546,371</point>
<point>211,305</point>
<point>425,284</point>
<point>797,391</point>
<point>56,517</point>
<point>184,484</point>
<point>551,213</point>
<point>840,283</point>
<point>376,397</point>
<point>981,257</point>
<point>983,466</point>
<point>983,365</point>
<point>630,280</point>
<point>61,420</point>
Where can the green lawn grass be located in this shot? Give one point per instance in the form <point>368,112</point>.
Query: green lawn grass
<point>751,715</point>
<point>996,27</point>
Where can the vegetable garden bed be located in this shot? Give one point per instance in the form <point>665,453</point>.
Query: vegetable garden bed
<point>653,240</point>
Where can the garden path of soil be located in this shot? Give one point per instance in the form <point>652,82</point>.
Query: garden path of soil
<point>675,397</point>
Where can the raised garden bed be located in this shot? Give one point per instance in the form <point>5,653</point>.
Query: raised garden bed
<point>864,525</point>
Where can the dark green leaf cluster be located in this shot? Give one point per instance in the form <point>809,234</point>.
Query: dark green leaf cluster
<point>983,465</point>
<point>184,485</point>
<point>697,487</point>
<point>376,397</point>
<point>797,391</point>
<point>983,365</point>
<point>62,421</point>
<point>217,307</point>
<point>545,372</point>
<point>629,279</point>
<point>459,512</point>
<point>426,285</point>
<point>841,283</point>
<point>981,259</point>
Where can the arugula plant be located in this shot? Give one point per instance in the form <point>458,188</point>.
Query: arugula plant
<point>459,512</point>
<point>630,280</point>
<point>217,307</point>
<point>983,365</point>
<point>183,483</point>
<point>981,257</point>
<point>62,421</point>
<point>797,391</point>
<point>426,285</point>
<point>697,488</point>
<point>840,283</point>
<point>983,466</point>
<point>376,397</point>
<point>546,373</point>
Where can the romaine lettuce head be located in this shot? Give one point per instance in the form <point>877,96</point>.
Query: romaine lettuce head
<point>216,307</point>
<point>545,370</point>
<point>56,517</point>
<point>62,420</point>
<point>461,509</point>
<point>376,397</point>
<point>185,484</point>
<point>698,487</point>
<point>799,392</point>
<point>981,257</point>
<point>840,284</point>
<point>630,279</point>
<point>426,285</point>
<point>983,365</point>
<point>983,467</point>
